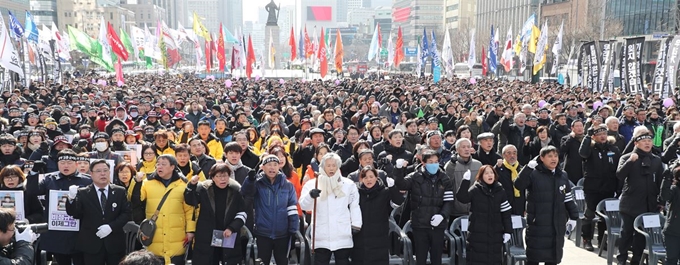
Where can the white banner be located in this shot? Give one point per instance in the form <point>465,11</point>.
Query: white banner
<point>8,55</point>
<point>57,218</point>
<point>13,199</point>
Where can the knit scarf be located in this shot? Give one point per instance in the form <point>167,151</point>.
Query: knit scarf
<point>513,175</point>
<point>330,185</point>
<point>235,167</point>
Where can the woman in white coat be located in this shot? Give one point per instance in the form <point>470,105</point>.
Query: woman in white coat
<point>337,211</point>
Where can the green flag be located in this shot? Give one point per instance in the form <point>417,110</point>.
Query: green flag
<point>92,48</point>
<point>420,113</point>
<point>128,44</point>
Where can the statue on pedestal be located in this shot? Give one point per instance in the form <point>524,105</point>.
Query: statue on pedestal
<point>273,10</point>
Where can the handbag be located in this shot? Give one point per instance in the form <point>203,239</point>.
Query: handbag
<point>148,227</point>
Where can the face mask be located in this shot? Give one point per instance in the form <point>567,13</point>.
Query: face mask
<point>134,114</point>
<point>118,143</point>
<point>432,168</point>
<point>101,147</point>
<point>85,135</point>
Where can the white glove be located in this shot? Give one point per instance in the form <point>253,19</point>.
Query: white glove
<point>103,231</point>
<point>466,175</point>
<point>72,191</point>
<point>571,224</point>
<point>436,220</point>
<point>390,182</point>
<point>532,164</point>
<point>400,163</point>
<point>27,236</point>
<point>506,237</point>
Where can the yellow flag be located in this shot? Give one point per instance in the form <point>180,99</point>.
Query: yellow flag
<point>535,33</point>
<point>518,44</point>
<point>539,66</point>
<point>199,29</point>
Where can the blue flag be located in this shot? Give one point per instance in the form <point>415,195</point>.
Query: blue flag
<point>31,29</point>
<point>425,49</point>
<point>301,46</point>
<point>434,53</point>
<point>493,50</point>
<point>17,29</point>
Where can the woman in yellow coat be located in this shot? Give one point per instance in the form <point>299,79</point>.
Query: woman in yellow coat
<point>176,224</point>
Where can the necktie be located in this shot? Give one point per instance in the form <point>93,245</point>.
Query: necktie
<point>102,198</point>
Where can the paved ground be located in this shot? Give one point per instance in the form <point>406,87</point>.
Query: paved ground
<point>578,256</point>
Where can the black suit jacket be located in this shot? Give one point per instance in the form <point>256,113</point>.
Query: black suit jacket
<point>87,208</point>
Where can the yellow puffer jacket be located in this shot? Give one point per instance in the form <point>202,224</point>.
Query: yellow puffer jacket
<point>174,219</point>
<point>216,150</point>
<point>169,150</point>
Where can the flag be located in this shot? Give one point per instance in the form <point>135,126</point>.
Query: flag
<point>508,52</point>
<point>105,58</point>
<point>399,49</point>
<point>228,37</point>
<point>199,29</point>
<point>161,45</point>
<point>309,48</point>
<point>374,47</point>
<point>471,55</point>
<point>127,42</point>
<point>61,44</point>
<point>272,51</point>
<point>82,42</point>
<point>236,52</point>
<point>250,60</point>
<point>541,47</point>
<point>434,53</point>
<point>221,56</point>
<point>426,48</point>
<point>527,28</point>
<point>116,44</point>
<point>447,54</point>
<point>390,51</point>
<point>557,47</point>
<point>9,59</point>
<point>493,50</point>
<point>138,39</point>
<point>208,56</point>
<point>16,29</point>
<point>339,51</point>
<point>483,62</point>
<point>31,30</point>
<point>533,41</point>
<point>120,81</point>
<point>518,44</point>
<point>329,51</point>
<point>323,60</point>
<point>169,37</point>
<point>419,56</point>
<point>291,42</point>
<point>301,46</point>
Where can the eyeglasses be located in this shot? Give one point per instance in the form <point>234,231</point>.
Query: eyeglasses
<point>101,171</point>
<point>12,177</point>
<point>148,154</point>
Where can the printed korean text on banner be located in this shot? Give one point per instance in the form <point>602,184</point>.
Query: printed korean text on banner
<point>604,65</point>
<point>13,199</point>
<point>673,58</point>
<point>660,84</point>
<point>590,49</point>
<point>57,218</point>
<point>622,68</point>
<point>580,64</point>
<point>633,63</point>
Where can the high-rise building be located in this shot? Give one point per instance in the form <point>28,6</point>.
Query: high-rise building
<point>44,11</point>
<point>86,16</point>
<point>17,7</point>
<point>146,12</point>
<point>504,13</point>
<point>230,13</point>
<point>642,17</point>
<point>207,11</point>
<point>414,16</point>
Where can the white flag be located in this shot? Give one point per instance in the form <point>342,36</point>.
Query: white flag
<point>472,57</point>
<point>8,55</point>
<point>106,47</point>
<point>557,47</point>
<point>447,54</point>
<point>138,39</point>
<point>542,44</point>
<point>508,52</point>
<point>374,48</point>
<point>390,51</point>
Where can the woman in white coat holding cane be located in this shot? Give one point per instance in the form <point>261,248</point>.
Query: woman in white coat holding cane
<point>334,202</point>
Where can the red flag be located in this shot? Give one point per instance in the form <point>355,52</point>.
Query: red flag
<point>208,56</point>
<point>483,62</point>
<point>293,45</point>
<point>221,57</point>
<point>119,72</point>
<point>379,38</point>
<point>250,58</point>
<point>399,53</point>
<point>173,57</point>
<point>116,45</point>
<point>309,47</point>
<point>323,63</point>
<point>339,51</point>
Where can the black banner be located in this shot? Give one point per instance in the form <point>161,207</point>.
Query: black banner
<point>612,66</point>
<point>633,65</point>
<point>580,63</point>
<point>605,64</point>
<point>622,69</point>
<point>660,84</point>
<point>672,60</point>
<point>591,62</point>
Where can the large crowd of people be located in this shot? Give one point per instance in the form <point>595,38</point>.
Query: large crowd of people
<point>198,162</point>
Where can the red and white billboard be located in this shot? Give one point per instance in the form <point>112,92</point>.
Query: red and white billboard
<point>319,13</point>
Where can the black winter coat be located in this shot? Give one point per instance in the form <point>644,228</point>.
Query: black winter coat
<point>489,220</point>
<point>549,204</point>
<point>516,138</point>
<point>601,161</point>
<point>639,184</point>
<point>670,192</point>
<point>490,158</point>
<point>33,209</point>
<point>371,244</point>
<point>344,150</point>
<point>429,195</point>
<point>396,153</point>
<point>505,178</point>
<point>573,163</point>
<point>203,194</point>
<point>557,132</point>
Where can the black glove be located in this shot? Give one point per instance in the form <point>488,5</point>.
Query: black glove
<point>39,166</point>
<point>44,147</point>
<point>590,131</point>
<point>315,193</point>
<point>82,143</point>
<point>251,174</point>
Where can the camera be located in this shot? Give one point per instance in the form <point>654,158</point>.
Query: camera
<point>37,228</point>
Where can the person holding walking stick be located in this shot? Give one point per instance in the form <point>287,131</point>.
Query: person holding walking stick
<point>334,202</point>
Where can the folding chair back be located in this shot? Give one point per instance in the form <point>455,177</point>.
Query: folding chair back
<point>651,225</point>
